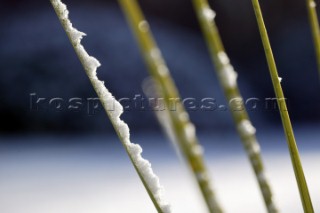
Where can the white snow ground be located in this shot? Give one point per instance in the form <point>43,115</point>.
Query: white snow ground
<point>61,175</point>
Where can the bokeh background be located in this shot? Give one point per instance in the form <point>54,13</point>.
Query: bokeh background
<point>36,58</point>
<point>62,160</point>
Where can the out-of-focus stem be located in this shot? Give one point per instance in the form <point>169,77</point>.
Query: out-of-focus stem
<point>223,68</point>
<point>314,24</point>
<point>183,129</point>
<point>294,153</point>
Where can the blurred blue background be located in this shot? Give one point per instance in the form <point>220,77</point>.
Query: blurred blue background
<point>36,58</point>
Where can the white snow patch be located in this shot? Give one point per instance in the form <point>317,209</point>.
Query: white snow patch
<point>190,131</point>
<point>90,65</point>
<point>208,14</point>
<point>313,4</point>
<point>155,53</point>
<point>163,70</point>
<point>245,128</point>
<point>197,150</point>
<point>144,26</point>
<point>156,56</point>
<point>254,148</point>
<point>228,76</point>
<point>223,57</point>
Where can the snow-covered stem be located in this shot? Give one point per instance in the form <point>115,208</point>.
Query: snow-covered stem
<point>114,110</point>
<point>183,130</point>
<point>292,146</point>
<point>227,77</point>
<point>314,24</point>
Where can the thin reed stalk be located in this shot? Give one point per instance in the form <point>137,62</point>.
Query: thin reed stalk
<point>114,110</point>
<point>276,81</point>
<point>182,129</point>
<point>314,24</point>
<point>227,77</point>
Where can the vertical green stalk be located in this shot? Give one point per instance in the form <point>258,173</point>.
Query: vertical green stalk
<point>294,153</point>
<point>314,23</point>
<point>183,129</point>
<point>223,68</point>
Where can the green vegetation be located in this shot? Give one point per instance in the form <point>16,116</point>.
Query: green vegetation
<point>227,77</point>
<point>176,121</point>
<point>294,153</point>
<point>314,23</point>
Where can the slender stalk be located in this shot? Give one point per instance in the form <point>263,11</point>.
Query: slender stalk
<point>182,128</point>
<point>114,110</point>
<point>227,78</point>
<point>294,153</point>
<point>314,23</point>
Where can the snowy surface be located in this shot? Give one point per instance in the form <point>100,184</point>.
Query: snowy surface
<point>93,174</point>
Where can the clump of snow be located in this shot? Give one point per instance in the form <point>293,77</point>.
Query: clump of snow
<point>246,129</point>
<point>253,147</point>
<point>223,57</point>
<point>190,131</point>
<point>90,65</point>
<point>313,4</point>
<point>208,14</point>
<point>280,79</point>
<point>163,70</point>
<point>144,26</point>
<point>197,150</point>
<point>228,75</point>
<point>156,56</point>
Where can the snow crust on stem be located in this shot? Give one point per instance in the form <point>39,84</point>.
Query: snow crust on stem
<point>227,73</point>
<point>113,108</point>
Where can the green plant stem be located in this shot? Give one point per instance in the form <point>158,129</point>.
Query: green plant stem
<point>249,141</point>
<point>294,153</point>
<point>90,64</point>
<point>314,23</point>
<point>182,128</point>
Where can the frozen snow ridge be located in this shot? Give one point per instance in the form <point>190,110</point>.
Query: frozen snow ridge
<point>227,73</point>
<point>134,151</point>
